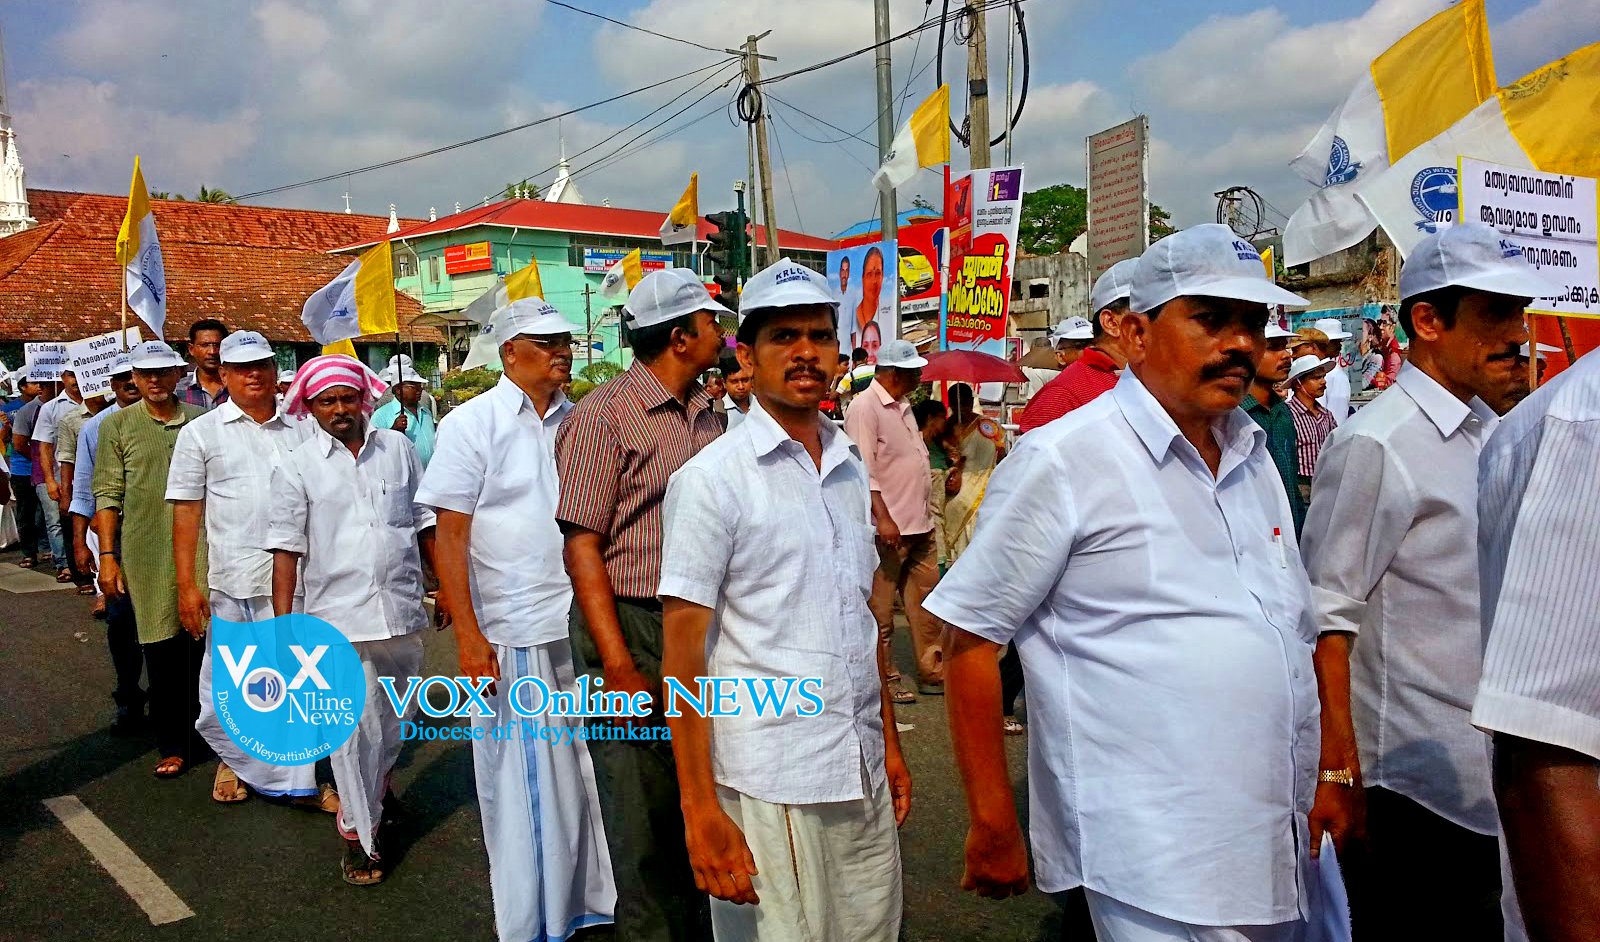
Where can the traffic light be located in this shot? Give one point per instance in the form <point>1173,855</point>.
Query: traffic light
<point>729,246</point>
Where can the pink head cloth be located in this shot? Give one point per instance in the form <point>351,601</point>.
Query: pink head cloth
<point>335,369</point>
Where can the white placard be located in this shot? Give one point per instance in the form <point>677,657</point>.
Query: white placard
<point>91,359</point>
<point>45,361</point>
<point>1550,216</point>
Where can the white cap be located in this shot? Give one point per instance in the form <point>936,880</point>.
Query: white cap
<point>785,284</point>
<point>1332,327</point>
<point>1303,365</point>
<point>1207,260</point>
<point>121,365</point>
<point>664,295</point>
<point>1113,285</point>
<point>1073,328</point>
<point>1473,255</point>
<point>1275,330</point>
<point>900,354</point>
<point>1543,349</point>
<point>526,316</point>
<point>154,355</point>
<point>244,346</point>
<point>286,376</point>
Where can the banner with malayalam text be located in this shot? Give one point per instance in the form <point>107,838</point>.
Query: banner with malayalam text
<point>1550,216</point>
<point>985,209</point>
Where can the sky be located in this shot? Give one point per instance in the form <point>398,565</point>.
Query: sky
<point>252,94</point>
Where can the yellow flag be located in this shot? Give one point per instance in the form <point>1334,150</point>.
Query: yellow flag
<point>1435,74</point>
<point>1552,113</point>
<point>524,282</point>
<point>144,275</point>
<point>621,277</point>
<point>343,346</point>
<point>138,208</point>
<point>375,291</point>
<point>1266,261</point>
<point>924,141</point>
<point>683,223</point>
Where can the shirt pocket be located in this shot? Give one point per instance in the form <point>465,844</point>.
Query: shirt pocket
<point>394,504</point>
<point>862,548</point>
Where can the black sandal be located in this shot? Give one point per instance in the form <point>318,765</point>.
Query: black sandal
<point>356,862</point>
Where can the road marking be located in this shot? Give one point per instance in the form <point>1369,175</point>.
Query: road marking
<point>137,880</point>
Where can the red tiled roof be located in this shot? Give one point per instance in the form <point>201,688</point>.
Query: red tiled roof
<point>251,266</point>
<point>566,217</point>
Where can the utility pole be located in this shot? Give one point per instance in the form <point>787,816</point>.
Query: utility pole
<point>588,327</point>
<point>1011,56</point>
<point>978,86</point>
<point>889,220</point>
<point>752,75</point>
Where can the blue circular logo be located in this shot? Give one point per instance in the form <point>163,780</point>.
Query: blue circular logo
<point>1340,168</point>
<point>289,690</point>
<point>1433,192</point>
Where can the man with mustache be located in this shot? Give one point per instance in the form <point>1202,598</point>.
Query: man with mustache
<point>492,484</point>
<point>1163,619</point>
<point>1271,412</point>
<point>768,535</point>
<point>344,504</point>
<point>1392,548</point>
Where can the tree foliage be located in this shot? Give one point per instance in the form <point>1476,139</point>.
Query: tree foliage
<point>1055,215</point>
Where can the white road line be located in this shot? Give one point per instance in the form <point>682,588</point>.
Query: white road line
<point>136,879</point>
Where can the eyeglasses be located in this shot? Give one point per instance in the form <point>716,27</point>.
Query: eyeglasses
<point>548,341</point>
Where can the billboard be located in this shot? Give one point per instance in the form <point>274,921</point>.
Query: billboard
<point>460,259</point>
<point>986,210</point>
<point>599,261</point>
<point>859,277</point>
<point>1119,201</point>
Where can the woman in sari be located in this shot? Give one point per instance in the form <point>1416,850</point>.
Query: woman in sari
<point>982,444</point>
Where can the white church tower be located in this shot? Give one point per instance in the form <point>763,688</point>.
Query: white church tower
<point>13,191</point>
<point>563,189</point>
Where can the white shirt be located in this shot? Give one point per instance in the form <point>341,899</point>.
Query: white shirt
<point>355,524</point>
<point>226,459</point>
<point>784,555</point>
<point>1336,397</point>
<point>495,460</point>
<point>1391,544</point>
<point>44,424</point>
<point>1539,519</point>
<point>733,412</point>
<point>1037,377</point>
<point>1166,642</point>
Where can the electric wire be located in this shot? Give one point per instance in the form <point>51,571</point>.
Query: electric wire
<point>640,29</point>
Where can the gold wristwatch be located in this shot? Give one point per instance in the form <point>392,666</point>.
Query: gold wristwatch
<point>1337,776</point>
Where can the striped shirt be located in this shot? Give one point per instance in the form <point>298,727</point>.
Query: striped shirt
<point>1311,429</point>
<point>130,476</point>
<point>614,454</point>
<point>1539,550</point>
<point>190,391</point>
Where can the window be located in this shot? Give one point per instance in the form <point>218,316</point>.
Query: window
<point>403,267</point>
<point>433,269</point>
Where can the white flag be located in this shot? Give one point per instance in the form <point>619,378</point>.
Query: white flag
<point>144,274</point>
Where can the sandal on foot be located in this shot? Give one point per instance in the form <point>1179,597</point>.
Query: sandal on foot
<point>87,590</point>
<point>170,767</point>
<point>27,563</point>
<point>357,868</point>
<point>899,694</point>
<point>326,799</point>
<point>1012,727</point>
<point>63,576</point>
<point>226,788</point>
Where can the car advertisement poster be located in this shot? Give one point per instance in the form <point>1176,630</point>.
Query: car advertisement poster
<point>859,278</point>
<point>918,274</point>
<point>986,210</point>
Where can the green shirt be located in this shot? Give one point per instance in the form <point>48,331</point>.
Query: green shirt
<point>67,429</point>
<point>1281,444</point>
<point>130,476</point>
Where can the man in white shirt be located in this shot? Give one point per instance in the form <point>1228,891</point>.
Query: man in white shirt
<point>492,484</point>
<point>769,537</point>
<point>1391,546</point>
<point>220,481</point>
<point>49,493</point>
<point>737,381</point>
<point>1164,624</point>
<point>1337,397</point>
<point>1538,513</point>
<point>343,503</point>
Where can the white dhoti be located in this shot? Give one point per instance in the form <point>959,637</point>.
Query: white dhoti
<point>362,765</point>
<point>1116,921</point>
<point>828,872</point>
<point>549,867</point>
<point>275,781</point>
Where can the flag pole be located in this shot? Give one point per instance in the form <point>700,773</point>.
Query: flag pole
<point>122,337</point>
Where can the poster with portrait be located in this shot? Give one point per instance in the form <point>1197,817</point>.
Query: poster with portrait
<point>1372,355</point>
<point>862,279</point>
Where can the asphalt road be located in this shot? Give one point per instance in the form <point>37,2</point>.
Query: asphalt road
<point>260,871</point>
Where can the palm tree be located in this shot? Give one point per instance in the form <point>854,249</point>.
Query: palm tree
<point>209,195</point>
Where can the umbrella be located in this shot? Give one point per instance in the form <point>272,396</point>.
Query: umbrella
<point>970,366</point>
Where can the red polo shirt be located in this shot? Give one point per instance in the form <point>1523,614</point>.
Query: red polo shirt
<point>1079,384</point>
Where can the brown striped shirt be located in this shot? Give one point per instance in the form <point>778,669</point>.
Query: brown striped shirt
<point>614,454</point>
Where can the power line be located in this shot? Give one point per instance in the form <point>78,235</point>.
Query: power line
<point>599,162</point>
<point>637,29</point>
<point>930,23</point>
<point>783,162</point>
<point>481,138</point>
